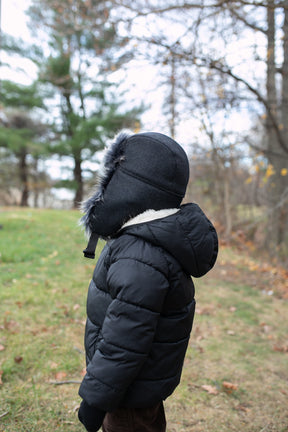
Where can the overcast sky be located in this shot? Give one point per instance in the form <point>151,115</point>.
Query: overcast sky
<point>13,18</point>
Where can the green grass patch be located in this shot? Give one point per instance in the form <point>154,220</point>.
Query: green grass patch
<point>239,337</point>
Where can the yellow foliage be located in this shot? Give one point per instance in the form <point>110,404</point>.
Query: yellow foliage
<point>270,53</point>
<point>220,92</point>
<point>284,171</point>
<point>137,127</point>
<point>270,171</point>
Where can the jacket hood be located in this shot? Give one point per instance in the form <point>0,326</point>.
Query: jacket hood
<point>141,171</point>
<point>187,235</point>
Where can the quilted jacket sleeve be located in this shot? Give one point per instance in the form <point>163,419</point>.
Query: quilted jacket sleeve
<point>138,291</point>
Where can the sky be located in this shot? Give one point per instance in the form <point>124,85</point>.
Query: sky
<point>14,23</point>
<point>13,20</point>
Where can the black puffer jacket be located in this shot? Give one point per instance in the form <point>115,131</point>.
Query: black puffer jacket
<point>141,306</point>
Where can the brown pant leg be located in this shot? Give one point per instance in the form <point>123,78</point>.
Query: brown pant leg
<point>136,420</point>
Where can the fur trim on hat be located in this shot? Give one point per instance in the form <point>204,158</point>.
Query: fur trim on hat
<point>114,155</point>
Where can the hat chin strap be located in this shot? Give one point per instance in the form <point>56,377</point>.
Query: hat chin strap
<point>89,252</point>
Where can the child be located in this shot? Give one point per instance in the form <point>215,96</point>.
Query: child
<point>140,304</point>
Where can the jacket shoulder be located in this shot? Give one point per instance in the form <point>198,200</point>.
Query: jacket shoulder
<point>131,247</point>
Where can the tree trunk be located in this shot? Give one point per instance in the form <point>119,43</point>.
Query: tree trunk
<point>283,162</point>
<point>78,198</point>
<point>23,174</point>
<point>172,100</point>
<point>36,183</point>
<point>227,206</point>
<point>277,156</point>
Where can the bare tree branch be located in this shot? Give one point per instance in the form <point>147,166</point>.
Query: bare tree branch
<point>225,70</point>
<point>233,11</point>
<point>64,382</point>
<point>231,5</point>
<point>169,8</point>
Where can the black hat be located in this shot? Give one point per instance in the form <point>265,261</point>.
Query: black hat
<point>141,172</point>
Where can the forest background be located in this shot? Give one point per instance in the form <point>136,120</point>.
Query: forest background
<point>212,74</point>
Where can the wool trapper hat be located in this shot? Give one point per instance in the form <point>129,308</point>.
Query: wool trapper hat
<point>141,172</point>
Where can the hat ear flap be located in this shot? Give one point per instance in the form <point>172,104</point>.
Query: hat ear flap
<point>114,155</point>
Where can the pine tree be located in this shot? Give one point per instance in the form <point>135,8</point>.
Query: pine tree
<point>83,49</point>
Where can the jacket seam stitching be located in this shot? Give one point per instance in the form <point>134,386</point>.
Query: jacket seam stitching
<point>124,348</point>
<point>162,253</point>
<point>191,244</point>
<point>142,262</point>
<point>155,185</point>
<point>137,305</point>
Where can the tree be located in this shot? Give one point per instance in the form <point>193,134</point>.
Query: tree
<point>21,134</point>
<point>83,49</point>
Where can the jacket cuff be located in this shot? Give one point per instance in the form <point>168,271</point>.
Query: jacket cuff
<point>98,394</point>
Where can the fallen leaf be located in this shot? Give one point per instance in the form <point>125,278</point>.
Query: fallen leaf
<point>2,348</point>
<point>207,310</point>
<point>60,375</point>
<point>281,348</point>
<point>210,389</point>
<point>53,365</point>
<point>11,325</point>
<point>229,387</point>
<point>18,359</point>
<point>243,408</point>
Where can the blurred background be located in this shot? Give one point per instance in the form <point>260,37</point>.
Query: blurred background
<point>212,74</point>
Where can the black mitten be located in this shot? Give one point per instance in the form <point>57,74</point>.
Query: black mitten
<point>90,416</point>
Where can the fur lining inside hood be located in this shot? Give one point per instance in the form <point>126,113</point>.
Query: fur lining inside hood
<point>150,215</point>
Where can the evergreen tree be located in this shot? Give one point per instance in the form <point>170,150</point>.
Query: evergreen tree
<point>21,133</point>
<point>83,49</point>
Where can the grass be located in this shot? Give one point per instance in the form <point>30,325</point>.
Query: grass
<point>235,375</point>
